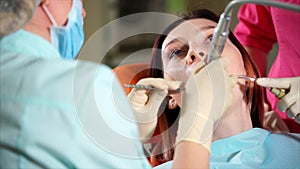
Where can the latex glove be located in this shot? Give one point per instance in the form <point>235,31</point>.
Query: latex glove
<point>146,104</point>
<point>289,103</point>
<point>208,94</point>
<point>274,123</point>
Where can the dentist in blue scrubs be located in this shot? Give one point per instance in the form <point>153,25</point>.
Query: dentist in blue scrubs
<point>58,112</point>
<point>48,99</point>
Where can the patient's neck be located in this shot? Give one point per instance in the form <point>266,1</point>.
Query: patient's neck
<point>236,120</point>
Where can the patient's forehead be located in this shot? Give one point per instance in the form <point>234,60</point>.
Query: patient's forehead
<point>190,28</point>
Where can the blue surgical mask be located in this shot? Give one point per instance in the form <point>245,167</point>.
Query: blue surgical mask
<point>68,39</point>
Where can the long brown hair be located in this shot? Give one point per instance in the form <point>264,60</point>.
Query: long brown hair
<point>168,121</point>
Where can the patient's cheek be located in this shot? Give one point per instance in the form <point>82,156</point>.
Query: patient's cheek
<point>236,61</point>
<point>178,74</point>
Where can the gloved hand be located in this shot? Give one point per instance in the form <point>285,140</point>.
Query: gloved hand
<point>146,104</point>
<point>208,94</point>
<point>289,103</point>
<point>274,123</point>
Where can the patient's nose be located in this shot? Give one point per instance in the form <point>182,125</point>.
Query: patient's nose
<point>194,57</point>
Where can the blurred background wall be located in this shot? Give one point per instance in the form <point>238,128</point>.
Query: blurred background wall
<point>137,48</point>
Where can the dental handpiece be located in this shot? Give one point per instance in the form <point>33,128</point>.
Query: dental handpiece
<point>279,93</point>
<point>221,32</point>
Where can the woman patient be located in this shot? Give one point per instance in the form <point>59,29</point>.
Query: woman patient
<point>238,140</point>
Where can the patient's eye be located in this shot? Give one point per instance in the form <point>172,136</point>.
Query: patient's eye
<point>177,53</point>
<point>210,37</point>
<point>176,48</point>
<point>206,43</point>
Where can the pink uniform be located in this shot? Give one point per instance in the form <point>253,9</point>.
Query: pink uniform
<point>263,26</point>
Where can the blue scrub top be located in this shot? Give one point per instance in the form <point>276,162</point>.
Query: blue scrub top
<point>59,113</point>
<point>254,149</point>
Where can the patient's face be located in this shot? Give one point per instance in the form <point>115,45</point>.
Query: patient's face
<point>188,43</point>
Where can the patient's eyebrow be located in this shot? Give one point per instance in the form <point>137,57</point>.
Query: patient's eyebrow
<point>204,28</point>
<point>176,40</point>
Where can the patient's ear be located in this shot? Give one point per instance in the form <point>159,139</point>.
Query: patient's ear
<point>172,104</point>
